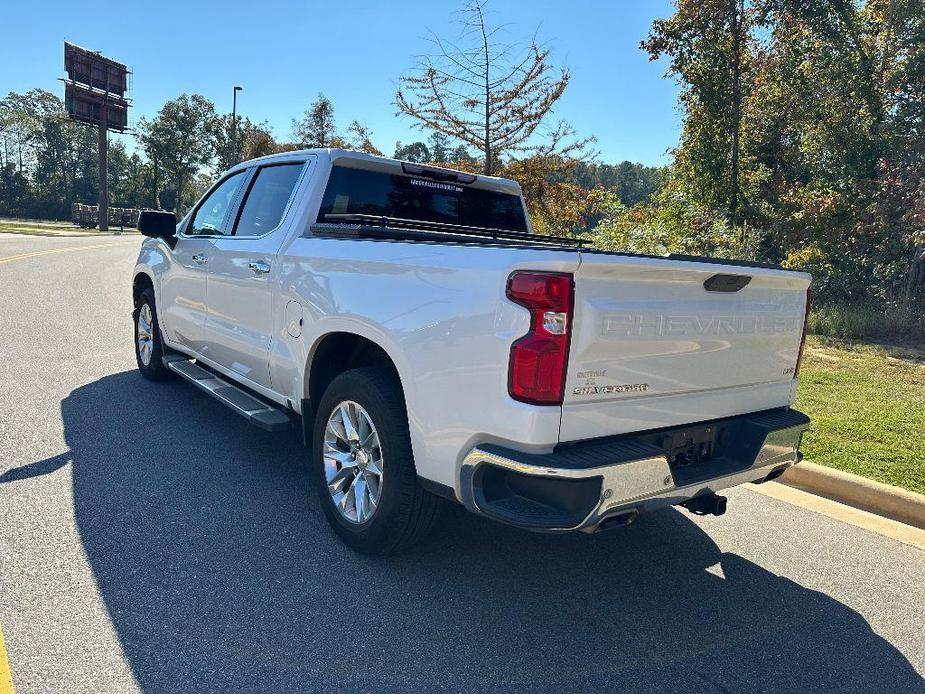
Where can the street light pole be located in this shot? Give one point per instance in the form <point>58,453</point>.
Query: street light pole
<point>234,122</point>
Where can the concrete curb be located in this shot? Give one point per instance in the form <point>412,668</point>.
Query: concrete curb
<point>860,492</point>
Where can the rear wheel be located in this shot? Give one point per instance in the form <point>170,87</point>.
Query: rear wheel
<point>362,464</point>
<point>149,347</point>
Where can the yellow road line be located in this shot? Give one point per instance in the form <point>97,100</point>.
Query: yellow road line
<point>21,256</point>
<point>900,532</point>
<point>6,679</point>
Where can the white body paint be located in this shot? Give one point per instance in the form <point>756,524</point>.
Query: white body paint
<point>440,312</point>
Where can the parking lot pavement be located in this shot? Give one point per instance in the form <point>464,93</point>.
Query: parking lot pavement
<point>152,541</point>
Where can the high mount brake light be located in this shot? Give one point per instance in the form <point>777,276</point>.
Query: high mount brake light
<point>536,374</point>
<point>437,173</point>
<point>809,305</point>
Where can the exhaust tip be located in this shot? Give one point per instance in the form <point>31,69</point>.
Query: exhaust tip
<point>618,520</point>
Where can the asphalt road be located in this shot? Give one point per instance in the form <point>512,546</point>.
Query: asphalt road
<point>152,541</point>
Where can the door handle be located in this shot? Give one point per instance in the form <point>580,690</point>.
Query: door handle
<point>259,268</point>
<point>200,259</point>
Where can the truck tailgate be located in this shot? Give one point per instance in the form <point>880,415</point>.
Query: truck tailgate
<point>654,346</point>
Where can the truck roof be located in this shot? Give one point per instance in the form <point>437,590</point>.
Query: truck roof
<point>371,161</point>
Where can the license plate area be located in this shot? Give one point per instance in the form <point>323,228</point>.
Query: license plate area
<point>689,447</point>
<point>703,451</point>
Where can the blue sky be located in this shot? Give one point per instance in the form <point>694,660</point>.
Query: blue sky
<point>283,54</point>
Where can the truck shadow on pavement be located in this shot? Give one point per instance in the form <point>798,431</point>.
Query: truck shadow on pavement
<point>220,574</point>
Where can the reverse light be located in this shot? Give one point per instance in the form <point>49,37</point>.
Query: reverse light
<point>809,305</point>
<point>539,359</point>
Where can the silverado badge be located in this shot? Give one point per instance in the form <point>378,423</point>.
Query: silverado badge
<point>602,390</point>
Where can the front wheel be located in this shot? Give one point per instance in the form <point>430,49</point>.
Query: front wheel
<point>149,347</point>
<point>363,467</point>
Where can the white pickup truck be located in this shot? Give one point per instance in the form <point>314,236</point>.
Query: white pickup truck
<point>429,344</point>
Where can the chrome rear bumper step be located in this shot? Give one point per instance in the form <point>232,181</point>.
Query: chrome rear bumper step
<point>257,412</point>
<point>592,484</point>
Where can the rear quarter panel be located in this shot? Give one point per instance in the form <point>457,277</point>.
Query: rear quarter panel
<point>441,313</point>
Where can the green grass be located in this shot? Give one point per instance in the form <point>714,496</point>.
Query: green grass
<point>34,229</point>
<point>869,323</point>
<point>867,403</point>
<point>42,222</point>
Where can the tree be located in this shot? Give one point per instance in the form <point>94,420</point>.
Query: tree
<point>417,152</point>
<point>899,34</point>
<point>61,157</point>
<point>58,155</point>
<point>360,137</point>
<point>22,118</point>
<point>439,146</point>
<point>708,44</point>
<point>631,182</point>
<point>234,143</point>
<point>460,156</point>
<point>557,204</point>
<point>803,128</point>
<point>178,144</point>
<point>437,150</point>
<point>129,178</point>
<point>15,192</point>
<point>484,92</point>
<point>672,224</point>
<point>317,127</point>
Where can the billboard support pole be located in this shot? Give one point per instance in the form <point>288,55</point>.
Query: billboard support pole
<point>104,167</point>
<point>94,93</point>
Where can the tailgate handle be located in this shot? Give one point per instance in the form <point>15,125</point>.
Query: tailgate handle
<point>726,283</point>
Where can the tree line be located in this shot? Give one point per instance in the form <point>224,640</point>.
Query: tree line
<point>48,162</point>
<point>803,143</point>
<point>803,140</point>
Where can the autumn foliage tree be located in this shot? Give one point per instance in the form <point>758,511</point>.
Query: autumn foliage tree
<point>803,134</point>
<point>498,96</point>
<point>483,90</point>
<point>708,45</point>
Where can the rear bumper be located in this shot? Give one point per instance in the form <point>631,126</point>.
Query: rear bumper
<point>592,484</point>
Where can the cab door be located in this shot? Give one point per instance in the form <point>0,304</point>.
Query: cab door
<point>241,286</point>
<point>182,304</point>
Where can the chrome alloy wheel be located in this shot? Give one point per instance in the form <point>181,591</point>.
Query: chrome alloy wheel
<point>353,462</point>
<point>145,333</point>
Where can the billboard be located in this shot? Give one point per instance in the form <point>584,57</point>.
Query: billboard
<point>95,70</point>
<point>86,105</point>
<point>94,93</point>
<point>95,84</point>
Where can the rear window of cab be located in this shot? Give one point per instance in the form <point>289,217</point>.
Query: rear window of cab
<point>360,191</point>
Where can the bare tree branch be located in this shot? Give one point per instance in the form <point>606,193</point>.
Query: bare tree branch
<point>483,91</point>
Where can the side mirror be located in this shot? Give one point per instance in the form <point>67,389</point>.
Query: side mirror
<point>158,224</point>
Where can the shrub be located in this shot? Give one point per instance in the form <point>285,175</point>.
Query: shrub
<point>891,323</point>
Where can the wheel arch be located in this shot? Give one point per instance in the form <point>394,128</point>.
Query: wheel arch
<point>332,354</point>
<point>141,281</point>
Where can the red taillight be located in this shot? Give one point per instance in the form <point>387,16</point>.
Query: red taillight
<point>809,305</point>
<point>539,358</point>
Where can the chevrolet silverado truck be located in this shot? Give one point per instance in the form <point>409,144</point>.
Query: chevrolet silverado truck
<point>428,344</point>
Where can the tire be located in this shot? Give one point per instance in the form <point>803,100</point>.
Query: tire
<point>404,512</point>
<point>148,352</point>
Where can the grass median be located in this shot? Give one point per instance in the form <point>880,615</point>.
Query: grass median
<point>867,403</point>
<point>53,229</point>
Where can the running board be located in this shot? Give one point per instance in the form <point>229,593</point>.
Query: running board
<point>255,411</point>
